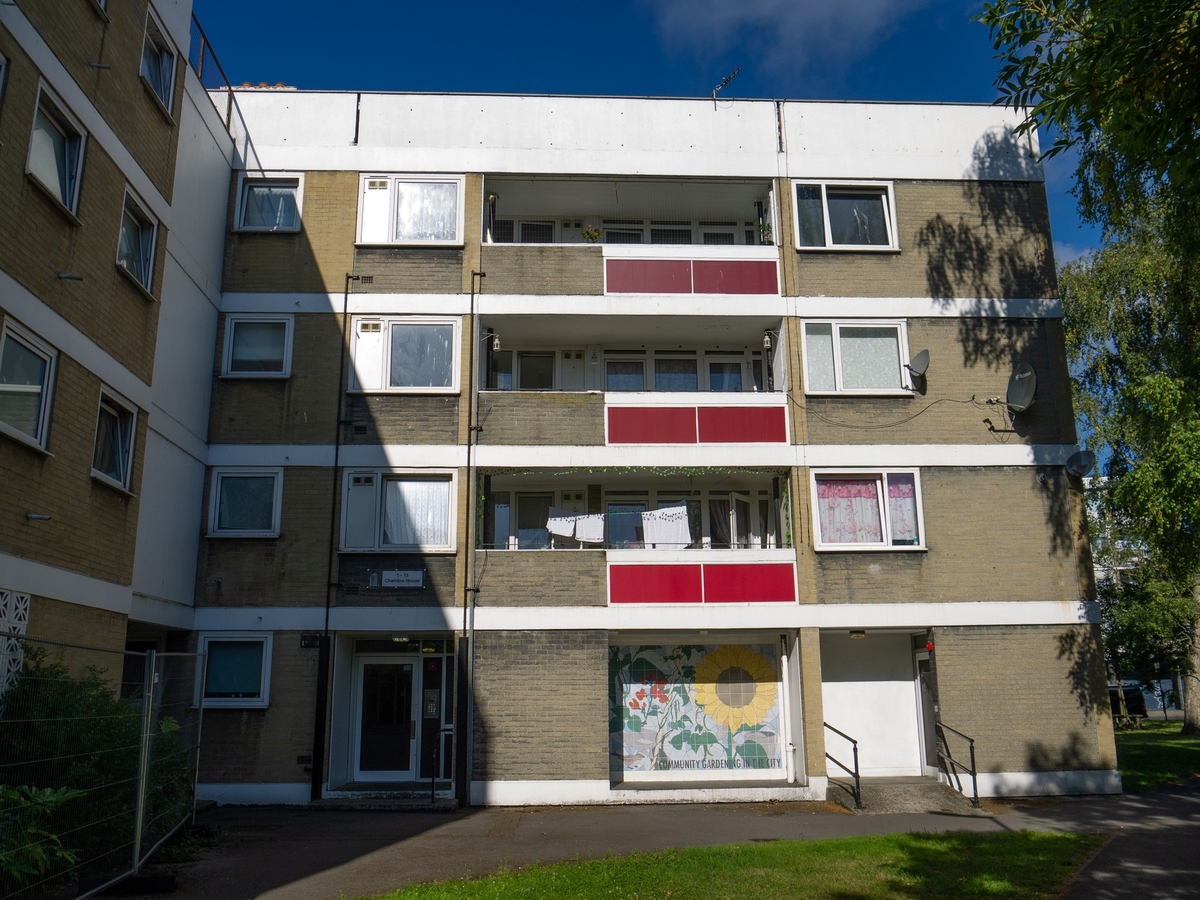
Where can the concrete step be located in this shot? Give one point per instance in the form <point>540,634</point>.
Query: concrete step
<point>902,795</point>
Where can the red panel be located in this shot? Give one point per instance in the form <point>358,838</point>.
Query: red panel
<point>651,425</point>
<point>720,276</point>
<point>649,276</point>
<point>742,424</point>
<point>654,584</point>
<point>749,583</point>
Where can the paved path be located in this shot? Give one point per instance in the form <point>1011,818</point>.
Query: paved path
<point>297,854</point>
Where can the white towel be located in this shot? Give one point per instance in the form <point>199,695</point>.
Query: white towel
<point>561,522</point>
<point>667,527</point>
<point>589,529</point>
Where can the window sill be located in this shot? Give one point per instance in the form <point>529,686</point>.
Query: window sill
<point>247,535</point>
<point>22,438</point>
<point>210,703</point>
<point>137,284</point>
<point>410,391</point>
<point>414,244</point>
<point>872,549</point>
<point>423,551</point>
<point>848,249</point>
<point>101,478</point>
<point>162,107</point>
<point>256,376</point>
<point>58,204</point>
<point>100,11</point>
<point>901,392</point>
<point>243,229</point>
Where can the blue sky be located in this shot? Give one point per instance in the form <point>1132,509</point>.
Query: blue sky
<point>798,49</point>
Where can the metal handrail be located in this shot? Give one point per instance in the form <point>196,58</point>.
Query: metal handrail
<point>972,770</point>
<point>855,771</point>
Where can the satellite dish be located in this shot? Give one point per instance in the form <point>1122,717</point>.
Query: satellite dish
<point>919,364</point>
<point>1081,463</point>
<point>1022,387</point>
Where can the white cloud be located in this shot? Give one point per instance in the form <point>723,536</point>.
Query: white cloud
<point>784,35</point>
<point>1066,253</point>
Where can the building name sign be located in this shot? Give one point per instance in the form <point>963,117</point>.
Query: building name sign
<point>404,578</point>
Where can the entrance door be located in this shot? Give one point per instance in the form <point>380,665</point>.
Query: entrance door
<point>386,726</point>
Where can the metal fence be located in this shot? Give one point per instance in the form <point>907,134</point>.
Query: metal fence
<point>212,76</point>
<point>98,761</point>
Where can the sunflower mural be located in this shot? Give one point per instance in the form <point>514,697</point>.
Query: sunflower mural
<point>694,711</point>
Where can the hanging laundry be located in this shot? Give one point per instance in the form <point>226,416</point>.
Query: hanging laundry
<point>561,522</point>
<point>667,527</point>
<point>589,529</point>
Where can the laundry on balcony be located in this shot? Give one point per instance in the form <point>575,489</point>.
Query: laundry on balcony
<point>667,527</point>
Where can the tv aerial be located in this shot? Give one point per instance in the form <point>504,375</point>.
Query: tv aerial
<point>1022,388</point>
<point>724,81</point>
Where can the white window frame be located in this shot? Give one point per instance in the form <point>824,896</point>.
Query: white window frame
<point>260,702</point>
<point>231,322</point>
<point>882,474</point>
<point>139,210</point>
<point>386,323</point>
<point>889,192</point>
<point>646,360</point>
<point>108,395</point>
<point>906,387</point>
<point>50,355</point>
<point>3,77</point>
<point>61,117</point>
<point>214,502</point>
<point>393,178</point>
<point>246,179</point>
<point>448,475</point>
<point>165,46</point>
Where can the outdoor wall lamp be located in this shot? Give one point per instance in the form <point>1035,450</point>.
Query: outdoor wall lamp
<point>858,634</point>
<point>766,340</point>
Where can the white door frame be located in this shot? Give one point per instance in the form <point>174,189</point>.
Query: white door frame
<point>409,774</point>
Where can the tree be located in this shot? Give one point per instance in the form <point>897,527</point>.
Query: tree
<point>1119,82</point>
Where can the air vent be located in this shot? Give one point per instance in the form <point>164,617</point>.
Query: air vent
<point>362,480</point>
<point>366,279</point>
<point>370,327</point>
<point>377,184</point>
<point>350,589</point>
<point>622,221</point>
<point>360,429</point>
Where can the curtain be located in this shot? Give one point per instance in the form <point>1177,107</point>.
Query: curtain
<point>156,66</point>
<point>112,444</point>
<point>724,376</point>
<point>133,249</point>
<point>848,511</point>
<point>426,211</point>
<point>422,355</point>
<point>246,503</point>
<point>270,206</point>
<point>818,354</point>
<point>234,669</point>
<point>902,509</point>
<point>258,346</point>
<point>416,513</point>
<point>49,157</point>
<point>22,378</point>
<point>675,375</point>
<point>870,357</point>
<point>718,524</point>
<point>625,376</point>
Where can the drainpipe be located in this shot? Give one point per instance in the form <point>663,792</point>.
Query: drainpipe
<point>318,754</point>
<point>465,658</point>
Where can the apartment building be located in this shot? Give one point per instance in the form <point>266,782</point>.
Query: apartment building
<point>526,449</point>
<point>113,169</point>
<point>586,450</point>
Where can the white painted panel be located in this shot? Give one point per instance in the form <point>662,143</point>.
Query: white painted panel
<point>368,356</point>
<point>867,686</point>
<point>168,537</point>
<point>360,510</point>
<point>183,359</point>
<point>375,201</point>
<point>201,191</point>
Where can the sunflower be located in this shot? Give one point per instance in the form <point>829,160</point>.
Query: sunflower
<point>735,686</point>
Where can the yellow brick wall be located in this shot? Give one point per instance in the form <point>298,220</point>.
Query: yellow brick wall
<point>99,633</point>
<point>92,526</point>
<point>78,35</point>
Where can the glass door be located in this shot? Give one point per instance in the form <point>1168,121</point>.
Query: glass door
<point>386,719</point>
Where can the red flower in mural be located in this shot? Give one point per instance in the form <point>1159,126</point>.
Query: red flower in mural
<point>656,690</point>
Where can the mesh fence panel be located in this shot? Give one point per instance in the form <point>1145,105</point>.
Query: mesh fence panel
<point>97,763</point>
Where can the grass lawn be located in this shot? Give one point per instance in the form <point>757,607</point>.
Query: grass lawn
<point>929,866</point>
<point>1156,754</point>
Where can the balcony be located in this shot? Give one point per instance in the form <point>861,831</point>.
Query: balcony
<point>629,236</point>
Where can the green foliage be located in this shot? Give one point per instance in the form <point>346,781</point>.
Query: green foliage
<point>1003,866</point>
<point>27,849</point>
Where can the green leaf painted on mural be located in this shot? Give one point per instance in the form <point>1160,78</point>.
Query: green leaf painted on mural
<point>635,723</point>
<point>677,741</point>
<point>753,755</point>
<point>698,740</point>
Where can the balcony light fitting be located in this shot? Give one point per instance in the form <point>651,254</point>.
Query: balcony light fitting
<point>858,634</point>
<point>766,340</point>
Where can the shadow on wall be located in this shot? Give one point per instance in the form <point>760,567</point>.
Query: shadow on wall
<point>1080,647</point>
<point>1071,757</point>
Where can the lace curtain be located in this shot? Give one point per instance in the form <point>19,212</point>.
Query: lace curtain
<point>416,513</point>
<point>848,511</point>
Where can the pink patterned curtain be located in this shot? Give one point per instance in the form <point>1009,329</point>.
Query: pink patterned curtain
<point>902,508</point>
<point>848,510</point>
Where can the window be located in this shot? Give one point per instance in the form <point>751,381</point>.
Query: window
<point>725,376</point>
<point>3,77</point>
<point>411,354</point>
<point>26,380</point>
<point>116,422</point>
<point>269,203</point>
<point>257,347</point>
<point>158,61</point>
<point>56,150</point>
<point>245,502</point>
<point>385,510</point>
<point>862,357</point>
<point>854,215</point>
<point>407,209</point>
<point>535,371</point>
<point>624,375</point>
<point>860,510</point>
<point>675,375</point>
<point>135,247</point>
<point>238,672</point>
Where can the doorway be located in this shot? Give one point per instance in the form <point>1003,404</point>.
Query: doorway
<point>385,719</point>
